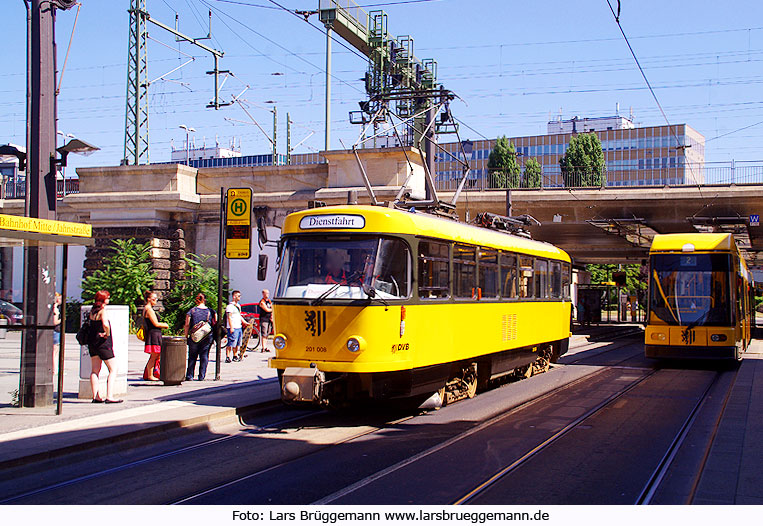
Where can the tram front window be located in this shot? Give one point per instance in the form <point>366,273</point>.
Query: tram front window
<point>344,269</point>
<point>690,289</point>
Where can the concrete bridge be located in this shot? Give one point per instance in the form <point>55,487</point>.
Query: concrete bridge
<point>176,207</point>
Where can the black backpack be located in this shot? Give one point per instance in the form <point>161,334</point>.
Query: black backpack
<point>83,334</point>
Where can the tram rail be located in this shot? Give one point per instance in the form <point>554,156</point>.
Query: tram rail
<point>247,431</point>
<point>647,494</point>
<point>653,482</point>
<point>550,440</point>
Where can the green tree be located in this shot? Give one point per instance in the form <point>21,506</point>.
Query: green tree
<point>533,177</point>
<point>127,274</point>
<point>583,162</point>
<point>502,165</point>
<point>197,278</point>
<point>635,275</point>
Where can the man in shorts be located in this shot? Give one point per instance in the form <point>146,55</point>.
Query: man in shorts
<point>266,318</point>
<point>234,323</point>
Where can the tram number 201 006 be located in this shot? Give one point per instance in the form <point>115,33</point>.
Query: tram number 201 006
<point>310,348</point>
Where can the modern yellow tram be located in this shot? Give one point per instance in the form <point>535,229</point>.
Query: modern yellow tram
<point>700,298</point>
<point>382,303</point>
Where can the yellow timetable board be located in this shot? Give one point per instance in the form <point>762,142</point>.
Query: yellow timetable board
<point>238,224</point>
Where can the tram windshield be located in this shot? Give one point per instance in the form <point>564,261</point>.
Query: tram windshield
<point>344,269</point>
<point>690,289</point>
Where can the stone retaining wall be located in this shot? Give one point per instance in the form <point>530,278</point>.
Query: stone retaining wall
<point>167,252</point>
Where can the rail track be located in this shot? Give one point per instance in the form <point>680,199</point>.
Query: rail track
<point>298,426</point>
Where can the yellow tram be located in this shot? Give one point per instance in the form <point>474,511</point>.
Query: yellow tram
<point>381,303</point>
<point>700,298</point>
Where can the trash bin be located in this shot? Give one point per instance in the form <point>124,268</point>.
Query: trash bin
<point>172,361</point>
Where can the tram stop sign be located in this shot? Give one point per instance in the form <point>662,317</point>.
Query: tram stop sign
<point>238,224</point>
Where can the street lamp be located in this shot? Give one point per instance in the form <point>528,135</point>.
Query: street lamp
<point>188,131</point>
<point>19,152</point>
<point>75,146</point>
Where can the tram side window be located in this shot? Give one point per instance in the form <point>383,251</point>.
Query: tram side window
<point>556,280</point>
<point>489,273</point>
<point>509,275</point>
<point>740,297</point>
<point>464,271</point>
<point>391,274</point>
<point>541,279</point>
<point>526,277</point>
<point>433,270</point>
<point>566,280</point>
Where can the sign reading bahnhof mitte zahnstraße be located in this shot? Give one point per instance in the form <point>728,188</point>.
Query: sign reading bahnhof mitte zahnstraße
<point>45,226</point>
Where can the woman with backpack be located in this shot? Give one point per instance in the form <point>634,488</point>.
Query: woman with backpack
<point>100,346</point>
<point>198,329</point>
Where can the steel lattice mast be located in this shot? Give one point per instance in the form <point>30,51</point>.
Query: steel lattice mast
<point>136,112</point>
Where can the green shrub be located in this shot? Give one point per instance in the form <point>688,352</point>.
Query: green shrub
<point>127,275</point>
<point>197,278</point>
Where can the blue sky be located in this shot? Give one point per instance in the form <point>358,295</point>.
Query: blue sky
<point>513,64</point>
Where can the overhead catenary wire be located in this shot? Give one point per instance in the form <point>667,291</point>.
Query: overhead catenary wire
<point>671,128</point>
<point>380,4</point>
<point>68,48</point>
<point>333,39</point>
<point>205,2</point>
<point>173,103</point>
<point>734,131</point>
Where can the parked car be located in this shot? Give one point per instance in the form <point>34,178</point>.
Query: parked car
<point>250,311</point>
<point>12,313</point>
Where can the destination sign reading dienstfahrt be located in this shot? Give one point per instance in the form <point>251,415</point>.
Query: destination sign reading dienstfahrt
<point>332,221</point>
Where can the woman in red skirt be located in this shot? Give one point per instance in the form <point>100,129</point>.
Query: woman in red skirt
<point>153,329</point>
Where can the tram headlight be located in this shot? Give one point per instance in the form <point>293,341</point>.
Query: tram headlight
<point>279,342</point>
<point>356,344</point>
<point>659,336</point>
<point>718,337</point>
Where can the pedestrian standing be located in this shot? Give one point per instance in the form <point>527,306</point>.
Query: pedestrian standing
<point>100,347</point>
<point>266,318</point>
<point>234,323</point>
<point>56,330</point>
<point>153,330</point>
<point>199,326</point>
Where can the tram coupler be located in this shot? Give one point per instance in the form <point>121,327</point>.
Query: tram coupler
<point>302,384</point>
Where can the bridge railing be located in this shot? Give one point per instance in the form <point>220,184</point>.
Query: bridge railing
<point>552,177</point>
<point>17,190</point>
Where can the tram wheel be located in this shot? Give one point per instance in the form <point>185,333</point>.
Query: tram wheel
<point>470,379</point>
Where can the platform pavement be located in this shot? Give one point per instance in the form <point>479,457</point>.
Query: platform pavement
<point>28,434</point>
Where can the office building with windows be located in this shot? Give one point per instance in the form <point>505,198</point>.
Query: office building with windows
<point>634,156</point>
